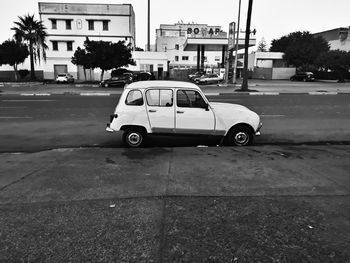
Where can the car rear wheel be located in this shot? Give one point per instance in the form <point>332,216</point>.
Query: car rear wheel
<point>134,137</point>
<point>240,136</point>
<point>106,85</point>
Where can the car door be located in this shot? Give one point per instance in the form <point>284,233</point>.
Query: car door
<point>160,110</point>
<point>193,116</point>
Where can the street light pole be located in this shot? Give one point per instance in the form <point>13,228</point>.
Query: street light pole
<point>246,46</point>
<point>234,81</point>
<point>149,26</point>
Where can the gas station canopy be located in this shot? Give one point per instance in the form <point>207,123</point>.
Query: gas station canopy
<point>212,44</point>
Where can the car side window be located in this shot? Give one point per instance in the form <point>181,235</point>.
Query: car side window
<point>189,99</point>
<point>134,98</point>
<point>159,97</point>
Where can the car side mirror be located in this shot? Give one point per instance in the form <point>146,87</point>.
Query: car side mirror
<point>206,106</point>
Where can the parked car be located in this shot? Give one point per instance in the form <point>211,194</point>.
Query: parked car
<point>197,74</point>
<point>143,76</point>
<point>64,78</point>
<point>174,107</point>
<point>209,79</point>
<point>303,76</point>
<point>119,80</point>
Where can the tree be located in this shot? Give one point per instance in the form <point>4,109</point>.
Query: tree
<point>262,46</point>
<point>301,49</point>
<point>83,59</point>
<point>336,60</point>
<point>108,55</point>
<point>33,33</point>
<point>13,53</point>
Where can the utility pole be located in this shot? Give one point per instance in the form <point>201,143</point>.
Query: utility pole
<point>149,26</point>
<point>236,51</point>
<point>246,46</point>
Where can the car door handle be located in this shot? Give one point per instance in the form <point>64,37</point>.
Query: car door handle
<point>179,111</point>
<point>152,111</point>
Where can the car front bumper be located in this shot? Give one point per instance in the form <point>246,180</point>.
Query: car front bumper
<point>257,132</point>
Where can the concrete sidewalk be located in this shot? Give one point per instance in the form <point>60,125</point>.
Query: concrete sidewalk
<point>215,204</point>
<point>257,87</point>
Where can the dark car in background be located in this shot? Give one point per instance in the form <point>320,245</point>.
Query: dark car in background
<point>140,76</point>
<point>119,80</point>
<point>303,76</point>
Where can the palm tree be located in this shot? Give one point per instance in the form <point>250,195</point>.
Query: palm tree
<point>33,33</point>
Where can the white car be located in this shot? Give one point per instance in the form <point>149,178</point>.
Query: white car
<point>64,78</point>
<point>174,107</point>
<point>209,79</point>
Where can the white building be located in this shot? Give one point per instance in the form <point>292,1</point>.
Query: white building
<point>338,38</point>
<point>69,24</point>
<point>269,65</point>
<point>173,40</point>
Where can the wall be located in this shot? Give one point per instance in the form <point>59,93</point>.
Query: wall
<point>262,73</point>
<point>273,73</point>
<point>283,73</point>
<point>10,76</point>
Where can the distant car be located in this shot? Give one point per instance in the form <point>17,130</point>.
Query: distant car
<point>120,80</point>
<point>143,76</point>
<point>303,76</point>
<point>64,78</point>
<point>209,79</point>
<point>197,74</point>
<point>178,108</point>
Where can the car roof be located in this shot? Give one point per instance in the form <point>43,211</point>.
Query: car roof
<point>161,83</point>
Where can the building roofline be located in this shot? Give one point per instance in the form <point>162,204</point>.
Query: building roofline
<point>71,3</point>
<point>330,30</point>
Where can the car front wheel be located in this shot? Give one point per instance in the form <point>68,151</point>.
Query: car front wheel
<point>240,136</point>
<point>134,138</point>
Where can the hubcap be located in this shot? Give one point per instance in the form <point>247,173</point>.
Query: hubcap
<point>134,138</point>
<point>241,138</point>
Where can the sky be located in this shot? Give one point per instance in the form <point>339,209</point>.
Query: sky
<point>272,19</point>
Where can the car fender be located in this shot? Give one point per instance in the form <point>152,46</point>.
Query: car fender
<point>228,115</point>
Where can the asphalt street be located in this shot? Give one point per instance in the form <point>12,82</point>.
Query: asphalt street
<point>32,123</point>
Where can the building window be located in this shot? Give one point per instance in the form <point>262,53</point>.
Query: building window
<point>176,58</point>
<point>68,24</point>
<point>91,24</point>
<point>177,46</point>
<point>184,57</point>
<point>105,25</point>
<point>69,45</point>
<point>54,23</point>
<point>54,45</point>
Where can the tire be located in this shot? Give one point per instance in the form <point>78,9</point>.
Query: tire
<point>106,85</point>
<point>240,136</point>
<point>134,138</point>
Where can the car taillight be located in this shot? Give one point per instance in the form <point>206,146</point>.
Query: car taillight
<point>112,117</point>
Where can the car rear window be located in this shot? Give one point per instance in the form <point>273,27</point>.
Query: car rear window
<point>134,98</point>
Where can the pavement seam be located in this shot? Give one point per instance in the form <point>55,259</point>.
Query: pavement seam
<point>163,216</point>
<point>20,179</point>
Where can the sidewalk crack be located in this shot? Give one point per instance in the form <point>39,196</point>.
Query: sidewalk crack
<point>20,179</point>
<point>164,215</point>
